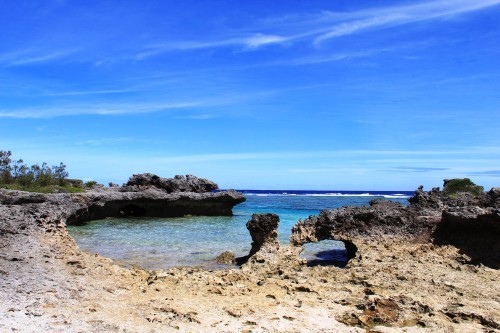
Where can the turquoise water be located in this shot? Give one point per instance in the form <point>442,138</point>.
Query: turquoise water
<point>195,241</point>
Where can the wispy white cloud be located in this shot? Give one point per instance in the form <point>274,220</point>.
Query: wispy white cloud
<point>416,169</point>
<point>197,116</point>
<point>383,156</point>
<point>93,109</point>
<point>87,92</point>
<point>395,16</point>
<point>328,25</point>
<point>111,141</point>
<point>341,56</point>
<point>250,42</point>
<point>326,170</point>
<point>33,57</point>
<point>487,173</point>
<point>259,40</point>
<point>135,107</point>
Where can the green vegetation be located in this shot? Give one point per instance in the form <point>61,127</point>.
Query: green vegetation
<point>454,186</point>
<point>16,175</point>
<point>90,184</point>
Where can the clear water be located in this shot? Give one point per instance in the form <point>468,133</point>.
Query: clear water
<point>195,241</point>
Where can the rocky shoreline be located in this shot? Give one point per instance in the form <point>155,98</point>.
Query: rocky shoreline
<point>431,266</point>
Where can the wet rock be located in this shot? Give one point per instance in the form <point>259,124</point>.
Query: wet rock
<point>225,258</point>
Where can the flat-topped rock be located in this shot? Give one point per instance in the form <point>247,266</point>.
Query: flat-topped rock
<point>138,201</point>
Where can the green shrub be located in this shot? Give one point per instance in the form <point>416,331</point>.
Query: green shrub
<point>37,178</point>
<point>75,182</point>
<point>90,184</point>
<point>454,186</point>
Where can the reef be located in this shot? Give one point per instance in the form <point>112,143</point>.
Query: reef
<point>431,266</point>
<point>469,222</point>
<point>131,200</point>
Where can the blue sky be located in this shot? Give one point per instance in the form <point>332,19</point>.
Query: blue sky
<point>350,95</point>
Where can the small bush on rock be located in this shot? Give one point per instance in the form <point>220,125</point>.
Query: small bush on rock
<point>454,186</point>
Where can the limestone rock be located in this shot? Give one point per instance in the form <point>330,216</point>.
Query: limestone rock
<point>119,202</point>
<point>225,258</point>
<point>179,183</point>
<point>468,221</point>
<point>474,230</point>
<point>264,231</point>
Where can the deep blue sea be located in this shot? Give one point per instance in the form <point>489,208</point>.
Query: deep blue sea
<point>196,240</point>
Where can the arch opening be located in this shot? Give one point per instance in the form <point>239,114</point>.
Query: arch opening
<point>329,252</point>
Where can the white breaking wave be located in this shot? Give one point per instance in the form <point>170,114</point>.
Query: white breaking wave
<point>387,196</point>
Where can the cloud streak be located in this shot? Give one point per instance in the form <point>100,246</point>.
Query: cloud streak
<point>94,109</point>
<point>395,16</point>
<point>251,42</point>
<point>339,154</point>
<point>197,116</point>
<point>488,173</point>
<point>329,25</point>
<point>417,169</point>
<point>33,57</point>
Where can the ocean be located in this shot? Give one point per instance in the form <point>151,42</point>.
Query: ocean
<point>162,243</point>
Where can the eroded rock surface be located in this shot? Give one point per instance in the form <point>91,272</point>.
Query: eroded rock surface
<point>474,230</point>
<point>179,183</point>
<point>48,285</point>
<point>467,221</point>
<point>264,231</point>
<point>126,201</point>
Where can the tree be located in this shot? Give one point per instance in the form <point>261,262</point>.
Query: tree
<point>5,168</point>
<point>60,174</point>
<point>17,168</point>
<point>45,175</point>
<point>17,175</point>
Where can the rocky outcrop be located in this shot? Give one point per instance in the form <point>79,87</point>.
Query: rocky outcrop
<point>179,183</point>
<point>48,285</point>
<point>266,254</point>
<point>264,231</point>
<point>468,221</point>
<point>126,201</point>
<point>152,202</point>
<point>382,219</point>
<point>474,230</point>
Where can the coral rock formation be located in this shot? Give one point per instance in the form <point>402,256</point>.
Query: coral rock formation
<point>468,221</point>
<point>179,183</point>
<point>401,283</point>
<point>264,231</point>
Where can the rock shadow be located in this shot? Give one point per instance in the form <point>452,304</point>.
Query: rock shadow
<point>133,210</point>
<point>338,257</point>
<point>475,235</point>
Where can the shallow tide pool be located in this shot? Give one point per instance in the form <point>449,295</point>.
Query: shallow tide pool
<point>156,243</point>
